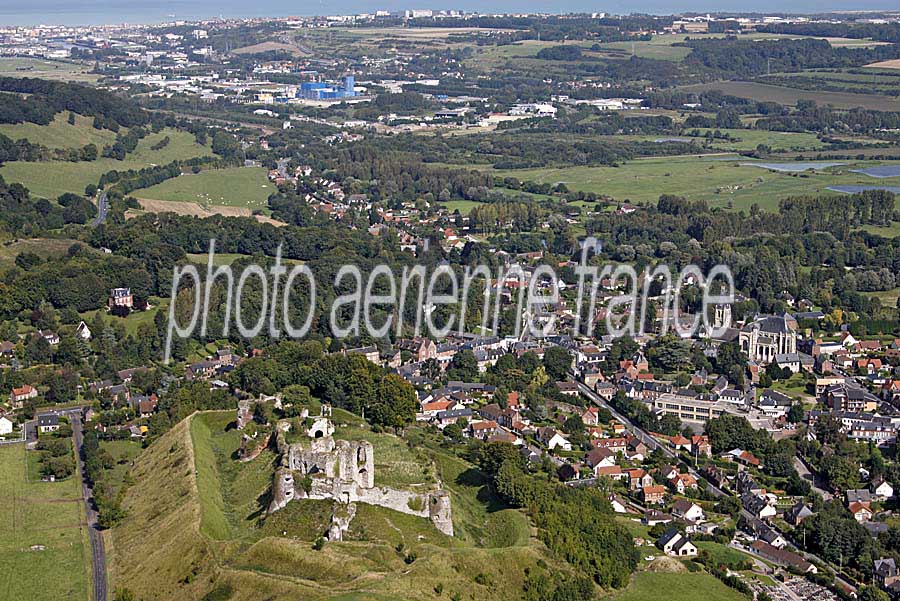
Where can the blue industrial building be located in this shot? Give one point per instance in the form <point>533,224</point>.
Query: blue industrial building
<point>317,90</point>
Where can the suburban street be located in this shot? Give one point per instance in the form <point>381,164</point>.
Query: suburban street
<point>809,476</point>
<point>652,443</point>
<point>98,553</point>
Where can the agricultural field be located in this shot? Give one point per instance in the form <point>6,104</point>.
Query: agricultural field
<point>43,538</point>
<point>51,179</point>
<point>242,187</point>
<point>723,183</point>
<point>879,82</point>
<point>47,69</point>
<point>789,96</point>
<point>60,134</point>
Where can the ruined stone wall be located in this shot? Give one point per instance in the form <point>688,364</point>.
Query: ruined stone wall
<point>345,472</point>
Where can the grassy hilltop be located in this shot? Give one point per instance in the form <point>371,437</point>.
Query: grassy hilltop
<point>195,528</point>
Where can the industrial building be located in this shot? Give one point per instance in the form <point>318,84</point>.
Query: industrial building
<point>319,90</point>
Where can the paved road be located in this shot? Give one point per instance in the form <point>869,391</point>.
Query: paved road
<point>98,553</point>
<point>102,210</point>
<point>807,474</point>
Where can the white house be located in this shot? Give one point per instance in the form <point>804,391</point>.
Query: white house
<point>6,425</point>
<point>882,490</point>
<point>83,332</point>
<point>617,504</point>
<point>676,544</point>
<point>558,440</point>
<point>687,510</point>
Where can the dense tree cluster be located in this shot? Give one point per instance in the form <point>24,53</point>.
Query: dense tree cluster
<point>574,523</point>
<point>745,58</point>
<point>46,98</point>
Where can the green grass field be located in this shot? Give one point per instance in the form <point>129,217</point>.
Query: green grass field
<point>46,69</point>
<point>51,179</point>
<point>59,134</point>
<point>723,555</point>
<point>722,183</point>
<point>749,139</point>
<point>44,551</point>
<point>136,318</point>
<point>682,586</point>
<point>236,187</point>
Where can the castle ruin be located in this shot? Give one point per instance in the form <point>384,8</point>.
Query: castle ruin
<point>322,468</point>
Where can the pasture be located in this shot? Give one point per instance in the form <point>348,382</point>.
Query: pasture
<point>51,179</point>
<point>43,538</point>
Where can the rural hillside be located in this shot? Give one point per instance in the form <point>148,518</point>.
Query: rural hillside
<point>195,530</point>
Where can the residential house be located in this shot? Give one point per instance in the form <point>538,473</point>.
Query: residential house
<point>613,471</point>
<point>618,505</point>
<point>615,445</point>
<point>22,394</point>
<point>482,429</point>
<point>553,438</point>
<point>83,332</point>
<point>700,446</point>
<point>638,479</point>
<point>757,506</point>
<point>654,517</point>
<point>568,388</point>
<point>764,532</point>
<point>676,544</point>
<point>774,404</point>
<point>445,418</point>
<point>6,425</point>
<point>886,572</point>
<point>796,514</point>
<point>422,349</point>
<point>861,512</point>
<point>653,494</point>
<point>600,458</point>
<point>687,510</point>
<point>684,482</point>
<point>120,297</point>
<point>590,416</point>
<point>743,457</point>
<point>881,489</point>
<point>50,336</point>
<point>48,422</point>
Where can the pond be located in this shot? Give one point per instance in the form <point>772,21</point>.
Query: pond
<point>856,189</point>
<point>795,166</point>
<point>880,171</point>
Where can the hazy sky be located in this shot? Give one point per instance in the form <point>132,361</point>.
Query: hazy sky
<point>116,11</point>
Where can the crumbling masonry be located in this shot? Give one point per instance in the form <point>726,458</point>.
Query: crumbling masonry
<point>322,468</point>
